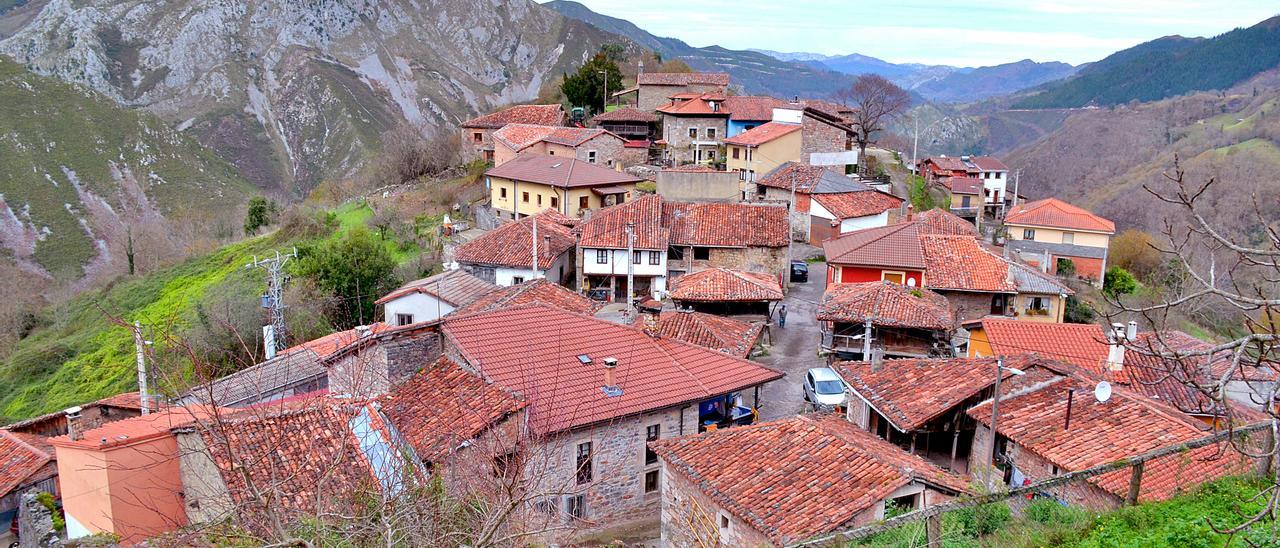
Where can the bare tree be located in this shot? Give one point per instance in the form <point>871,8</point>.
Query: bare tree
<point>875,101</point>
<point>1213,269</point>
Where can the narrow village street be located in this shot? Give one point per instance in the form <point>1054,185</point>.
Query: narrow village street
<point>795,347</point>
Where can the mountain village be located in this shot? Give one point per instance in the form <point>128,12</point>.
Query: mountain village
<point>691,319</point>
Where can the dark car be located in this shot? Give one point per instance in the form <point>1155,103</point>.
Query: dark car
<point>799,272</point>
<point>599,294</point>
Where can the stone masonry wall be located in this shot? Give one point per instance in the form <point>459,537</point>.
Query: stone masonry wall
<point>819,137</point>
<point>691,518</point>
<point>676,132</point>
<point>609,150</point>
<point>769,260</point>
<point>968,306</point>
<point>373,370</point>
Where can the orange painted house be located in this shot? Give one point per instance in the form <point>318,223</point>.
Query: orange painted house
<point>123,477</point>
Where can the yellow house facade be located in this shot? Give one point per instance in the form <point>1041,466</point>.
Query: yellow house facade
<point>762,149</point>
<point>530,184</point>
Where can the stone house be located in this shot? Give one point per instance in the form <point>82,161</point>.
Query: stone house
<point>693,129</point>
<point>657,88</point>
<point>532,183</point>
<point>846,205</point>
<point>504,255</point>
<point>821,472</point>
<point>1046,232</point>
<point>593,146</point>
<point>883,319</point>
<point>476,134</point>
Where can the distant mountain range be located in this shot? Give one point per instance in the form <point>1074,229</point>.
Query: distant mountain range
<point>1167,67</point>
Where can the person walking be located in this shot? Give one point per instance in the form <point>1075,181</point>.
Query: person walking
<point>782,316</point>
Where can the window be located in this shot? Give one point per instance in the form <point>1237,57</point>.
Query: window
<point>636,257</point>
<point>477,137</point>
<point>602,256</point>
<point>693,133</point>
<point>545,506</point>
<point>736,151</point>
<point>507,465</point>
<point>1068,238</point>
<point>1037,303</point>
<point>711,133</point>
<point>675,253</point>
<point>711,155</point>
<point>576,506</point>
<point>583,203</point>
<point>895,277</point>
<point>751,156</point>
<point>964,202</point>
<point>591,156</point>
<point>551,153</point>
<point>651,433</point>
<point>404,319</point>
<point>502,193</point>
<point>701,253</point>
<point>584,463</point>
<point>655,258</point>
<point>1028,233</point>
<point>555,202</point>
<point>997,304</point>
<point>651,481</point>
<point>524,197</point>
<point>724,521</point>
<point>748,127</point>
<point>539,199</point>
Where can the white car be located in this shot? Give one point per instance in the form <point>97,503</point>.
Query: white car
<point>823,387</point>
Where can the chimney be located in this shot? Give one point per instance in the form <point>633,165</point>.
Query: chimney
<point>1115,349</point>
<point>611,388</point>
<point>910,211</point>
<point>650,313</point>
<point>75,429</point>
<point>362,331</point>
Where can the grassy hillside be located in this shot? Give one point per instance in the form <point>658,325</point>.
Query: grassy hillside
<point>77,168</point>
<point>1167,67</point>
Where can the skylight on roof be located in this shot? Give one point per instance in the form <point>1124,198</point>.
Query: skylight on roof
<point>585,359</point>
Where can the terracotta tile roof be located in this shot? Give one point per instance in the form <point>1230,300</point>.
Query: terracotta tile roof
<point>636,143</point>
<point>444,405</point>
<point>1079,344</point>
<point>733,337</point>
<point>987,163</point>
<point>1126,425</point>
<point>960,263</point>
<point>536,356</point>
<point>939,221</point>
<point>912,392</point>
<point>704,105</point>
<point>886,304</point>
<point>134,429</point>
<point>805,177</point>
<point>626,114</point>
<point>540,291</point>
<point>559,171</point>
<point>946,163</point>
<point>19,461</point>
<point>1055,213</point>
<point>960,185</point>
<point>511,244</point>
<point>545,115</point>
<point>127,400</point>
<point>454,287</point>
<point>607,227</point>
<point>848,205</point>
<point>723,285</point>
<point>726,225</point>
<point>682,78</point>
<point>521,136</point>
<point>754,108</point>
<point>894,246</point>
<point>795,478</point>
<point>762,134</point>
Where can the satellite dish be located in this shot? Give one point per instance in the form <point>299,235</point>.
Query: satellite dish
<point>1102,392</point>
<point>911,282</point>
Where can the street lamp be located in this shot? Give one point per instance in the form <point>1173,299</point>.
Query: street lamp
<point>995,414</point>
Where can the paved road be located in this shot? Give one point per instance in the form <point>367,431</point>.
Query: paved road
<point>795,347</point>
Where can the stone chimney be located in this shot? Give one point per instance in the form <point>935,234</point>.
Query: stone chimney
<point>910,211</point>
<point>650,311</point>
<point>75,424</point>
<point>611,388</point>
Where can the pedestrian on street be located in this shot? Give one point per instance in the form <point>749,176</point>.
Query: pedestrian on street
<point>782,316</point>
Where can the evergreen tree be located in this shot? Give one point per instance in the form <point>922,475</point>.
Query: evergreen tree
<point>586,88</point>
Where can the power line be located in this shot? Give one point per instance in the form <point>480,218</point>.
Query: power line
<point>275,335</point>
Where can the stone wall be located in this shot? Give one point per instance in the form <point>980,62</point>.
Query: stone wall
<point>1036,468</point>
<point>683,503</point>
<point>206,496</point>
<point>699,186</point>
<point>609,150</point>
<point>680,146</point>
<point>820,137</point>
<point>374,369</point>
<point>470,148</point>
<point>970,306</point>
<point>769,260</point>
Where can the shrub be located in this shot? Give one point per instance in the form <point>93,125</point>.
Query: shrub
<point>357,268</point>
<point>1118,281</point>
<point>985,519</point>
<point>1077,311</point>
<point>1066,268</point>
<point>260,214</point>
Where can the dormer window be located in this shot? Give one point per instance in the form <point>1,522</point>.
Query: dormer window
<point>715,107</point>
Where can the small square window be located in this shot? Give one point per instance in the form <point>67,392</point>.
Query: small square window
<point>524,197</point>
<point>555,202</point>
<point>1068,238</point>
<point>701,253</point>
<point>591,156</point>
<point>517,279</point>
<point>539,199</point>
<point>583,203</point>
<point>655,258</point>
<point>576,506</point>
<point>636,257</point>
<point>724,521</point>
<point>1028,233</point>
<point>693,133</point>
<point>711,133</point>
<point>651,481</point>
<point>502,193</point>
<point>477,137</point>
<point>584,463</point>
<point>675,253</point>
<point>404,319</point>
<point>736,151</point>
<point>602,256</point>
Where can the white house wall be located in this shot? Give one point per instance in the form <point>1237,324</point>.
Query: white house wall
<point>869,221</point>
<point>618,261</point>
<point>996,184</point>
<point>424,308</point>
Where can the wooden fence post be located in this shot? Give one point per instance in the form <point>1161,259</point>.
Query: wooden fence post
<point>933,531</point>
<point>1135,484</point>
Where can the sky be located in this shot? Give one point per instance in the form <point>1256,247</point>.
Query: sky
<point>956,32</point>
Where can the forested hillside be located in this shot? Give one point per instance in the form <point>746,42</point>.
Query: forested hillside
<point>1167,67</point>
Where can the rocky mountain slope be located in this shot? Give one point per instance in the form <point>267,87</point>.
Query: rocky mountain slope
<point>755,72</point>
<point>292,92</point>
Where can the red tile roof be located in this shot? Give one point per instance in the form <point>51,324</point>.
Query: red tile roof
<point>704,105</point>
<point>960,263</point>
<point>886,304</point>
<point>540,291</point>
<point>754,108</point>
<point>607,227</point>
<point>727,335</point>
<point>1126,425</point>
<point>127,400</point>
<point>636,143</point>
<point>1055,213</point>
<point>912,392</point>
<point>511,244</point>
<point>536,356</point>
<point>559,171</point>
<point>1079,344</point>
<point>960,185</point>
<point>894,246</point>
<point>682,78</point>
<point>939,221</point>
<point>726,225</point>
<point>762,134</point>
<point>987,163</point>
<point>19,461</point>
<point>545,115</point>
<point>848,205</point>
<point>521,136</point>
<point>795,478</point>
<point>625,114</point>
<point>444,405</point>
<point>805,177</point>
<point>724,285</point>
<point>131,430</point>
<point>454,287</point>
<point>946,163</point>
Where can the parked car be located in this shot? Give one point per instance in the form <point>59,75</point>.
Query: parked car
<point>799,272</point>
<point>823,387</point>
<point>600,294</point>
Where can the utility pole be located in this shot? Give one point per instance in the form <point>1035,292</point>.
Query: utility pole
<point>274,334</point>
<point>791,204</point>
<point>534,275</point>
<point>140,347</point>
<point>995,414</point>
<point>631,252</point>
<point>604,101</point>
